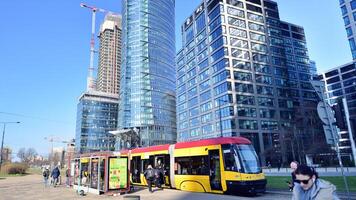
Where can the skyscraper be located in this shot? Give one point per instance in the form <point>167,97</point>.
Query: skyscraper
<point>97,109</point>
<point>348,10</point>
<point>244,72</point>
<point>96,116</point>
<point>341,83</point>
<point>109,55</point>
<point>147,88</point>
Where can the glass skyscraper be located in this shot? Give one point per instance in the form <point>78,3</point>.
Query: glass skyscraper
<point>348,11</point>
<point>244,72</point>
<point>147,87</point>
<point>341,83</point>
<point>96,116</point>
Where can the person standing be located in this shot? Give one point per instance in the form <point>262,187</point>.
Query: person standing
<point>55,174</point>
<point>308,186</point>
<point>159,174</point>
<point>67,177</point>
<point>279,164</point>
<point>45,176</point>
<point>293,166</point>
<point>149,175</point>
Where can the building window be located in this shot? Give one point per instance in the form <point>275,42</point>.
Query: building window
<point>353,4</point>
<point>352,44</point>
<point>245,88</point>
<point>349,31</point>
<point>254,17</point>
<point>238,32</point>
<point>346,20</point>
<point>246,112</point>
<point>236,12</point>
<point>343,10</point>
<point>236,22</point>
<point>200,22</point>
<point>248,124</point>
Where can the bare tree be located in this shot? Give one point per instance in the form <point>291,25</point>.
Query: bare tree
<point>27,156</point>
<point>22,154</point>
<point>30,155</point>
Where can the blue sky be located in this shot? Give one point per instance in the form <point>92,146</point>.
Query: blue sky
<point>45,53</point>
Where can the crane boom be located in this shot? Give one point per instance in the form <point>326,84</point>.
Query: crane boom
<point>90,78</point>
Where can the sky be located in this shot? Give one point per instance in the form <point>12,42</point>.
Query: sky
<point>44,57</point>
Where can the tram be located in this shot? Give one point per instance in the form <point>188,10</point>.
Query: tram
<point>218,165</point>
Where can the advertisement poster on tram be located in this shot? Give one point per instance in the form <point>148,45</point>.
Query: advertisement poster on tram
<point>118,173</point>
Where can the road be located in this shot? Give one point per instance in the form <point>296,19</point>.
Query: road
<point>30,187</point>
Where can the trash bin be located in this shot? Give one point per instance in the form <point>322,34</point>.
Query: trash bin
<point>132,197</point>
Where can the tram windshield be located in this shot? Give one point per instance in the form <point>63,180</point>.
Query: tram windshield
<point>241,158</point>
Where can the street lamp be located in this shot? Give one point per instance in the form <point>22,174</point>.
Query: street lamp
<point>220,121</point>
<point>2,143</point>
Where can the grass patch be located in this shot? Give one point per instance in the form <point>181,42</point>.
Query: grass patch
<point>36,170</point>
<point>279,182</point>
<point>3,175</point>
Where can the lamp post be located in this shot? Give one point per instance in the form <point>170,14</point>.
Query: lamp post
<point>220,121</point>
<point>2,143</point>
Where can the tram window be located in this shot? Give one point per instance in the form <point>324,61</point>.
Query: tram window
<point>183,166</point>
<point>230,164</point>
<point>145,164</point>
<point>200,165</point>
<point>196,165</point>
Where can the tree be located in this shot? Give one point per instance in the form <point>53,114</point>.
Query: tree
<point>27,156</point>
<point>21,154</point>
<point>30,155</point>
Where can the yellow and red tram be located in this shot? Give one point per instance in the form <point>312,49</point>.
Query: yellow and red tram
<point>218,165</point>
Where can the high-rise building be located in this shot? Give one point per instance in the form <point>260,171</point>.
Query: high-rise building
<point>147,88</point>
<point>348,11</point>
<point>244,72</point>
<point>341,83</point>
<point>109,55</point>
<point>96,116</point>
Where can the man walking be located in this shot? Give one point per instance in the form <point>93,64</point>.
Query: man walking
<point>55,174</point>
<point>149,175</point>
<point>45,176</point>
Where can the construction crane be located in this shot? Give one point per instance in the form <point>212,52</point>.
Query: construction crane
<point>90,78</point>
<point>52,139</point>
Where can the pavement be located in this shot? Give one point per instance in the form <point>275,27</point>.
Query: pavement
<point>31,187</point>
<point>331,171</point>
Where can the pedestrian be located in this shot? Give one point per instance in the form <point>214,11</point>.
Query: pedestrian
<point>149,175</point>
<point>268,164</point>
<point>55,174</point>
<point>279,164</point>
<point>308,186</point>
<point>293,166</point>
<point>159,174</point>
<point>45,176</point>
<point>67,177</point>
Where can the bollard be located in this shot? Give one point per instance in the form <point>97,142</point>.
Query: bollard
<point>132,197</point>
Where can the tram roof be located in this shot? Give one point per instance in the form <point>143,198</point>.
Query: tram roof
<point>205,142</point>
<point>213,141</point>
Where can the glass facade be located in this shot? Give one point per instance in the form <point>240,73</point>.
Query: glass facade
<point>340,83</point>
<point>147,87</point>
<point>348,11</point>
<point>248,81</point>
<point>96,116</point>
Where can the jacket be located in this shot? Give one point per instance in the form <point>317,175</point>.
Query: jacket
<point>321,190</point>
<point>55,173</point>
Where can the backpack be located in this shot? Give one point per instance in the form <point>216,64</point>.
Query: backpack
<point>150,174</point>
<point>45,173</point>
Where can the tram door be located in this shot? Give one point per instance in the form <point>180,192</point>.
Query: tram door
<point>215,173</point>
<point>136,169</point>
<point>164,166</point>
